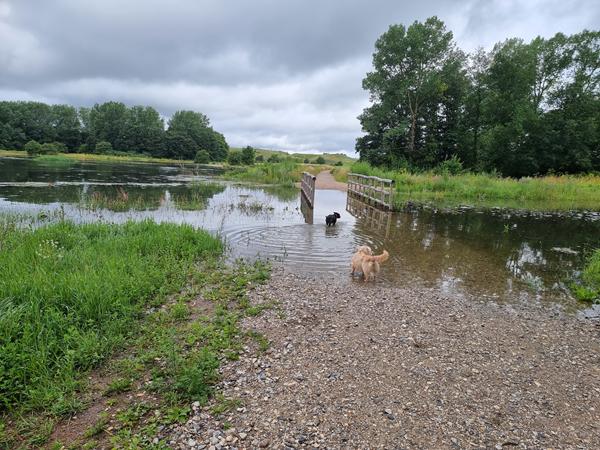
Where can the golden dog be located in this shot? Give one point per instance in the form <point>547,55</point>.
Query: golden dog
<point>368,263</point>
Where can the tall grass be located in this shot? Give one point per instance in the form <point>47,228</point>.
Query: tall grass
<point>283,173</point>
<point>565,191</point>
<point>589,288</point>
<point>69,294</point>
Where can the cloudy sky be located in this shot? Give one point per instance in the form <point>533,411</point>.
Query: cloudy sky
<point>283,74</point>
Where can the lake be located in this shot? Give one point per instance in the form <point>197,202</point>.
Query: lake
<point>487,254</point>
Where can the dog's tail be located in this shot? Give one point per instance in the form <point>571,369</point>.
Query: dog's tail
<point>379,258</point>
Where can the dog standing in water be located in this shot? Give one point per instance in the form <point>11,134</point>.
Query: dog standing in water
<point>368,263</point>
<point>331,219</point>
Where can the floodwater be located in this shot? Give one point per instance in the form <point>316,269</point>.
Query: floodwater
<point>488,254</point>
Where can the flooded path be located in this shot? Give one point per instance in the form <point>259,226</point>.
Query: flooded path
<point>491,255</point>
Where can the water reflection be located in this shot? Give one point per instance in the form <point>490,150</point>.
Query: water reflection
<point>491,254</point>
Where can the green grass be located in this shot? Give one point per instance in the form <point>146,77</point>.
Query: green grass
<point>283,173</point>
<point>589,287</point>
<point>549,192</point>
<point>125,157</point>
<point>69,295</point>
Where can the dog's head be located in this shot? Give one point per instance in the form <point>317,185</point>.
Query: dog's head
<point>337,215</point>
<point>364,249</point>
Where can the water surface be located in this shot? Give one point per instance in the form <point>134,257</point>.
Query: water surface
<point>488,254</point>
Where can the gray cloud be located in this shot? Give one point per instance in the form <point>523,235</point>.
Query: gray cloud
<point>270,73</point>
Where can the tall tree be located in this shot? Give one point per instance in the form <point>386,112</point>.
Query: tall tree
<point>413,69</point>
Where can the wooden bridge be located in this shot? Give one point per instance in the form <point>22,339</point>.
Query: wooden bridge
<point>374,191</point>
<point>307,186</point>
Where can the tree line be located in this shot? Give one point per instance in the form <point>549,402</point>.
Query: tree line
<point>521,109</point>
<point>110,126</point>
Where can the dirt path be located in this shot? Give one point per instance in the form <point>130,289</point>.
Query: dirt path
<point>325,180</point>
<point>365,366</point>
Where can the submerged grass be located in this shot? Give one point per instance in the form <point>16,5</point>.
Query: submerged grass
<point>54,160</point>
<point>589,287</point>
<point>556,192</point>
<point>197,196</point>
<point>69,295</point>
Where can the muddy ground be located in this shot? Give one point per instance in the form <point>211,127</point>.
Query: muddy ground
<point>368,366</point>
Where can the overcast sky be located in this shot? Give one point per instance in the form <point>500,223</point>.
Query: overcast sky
<point>283,74</point>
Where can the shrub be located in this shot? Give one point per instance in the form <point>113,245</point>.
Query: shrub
<point>274,159</point>
<point>33,148</point>
<point>306,161</point>
<point>339,163</point>
<point>259,158</point>
<point>320,160</point>
<point>234,158</point>
<point>103,147</point>
<point>248,155</point>
<point>83,148</point>
<point>48,149</point>
<point>202,157</point>
<point>60,147</point>
<point>452,166</point>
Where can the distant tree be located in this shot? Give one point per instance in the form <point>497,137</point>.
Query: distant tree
<point>145,130</point>
<point>234,158</point>
<point>202,157</point>
<point>273,159</point>
<point>259,158</point>
<point>103,147</point>
<point>306,161</point>
<point>32,148</point>
<point>179,146</point>
<point>66,125</point>
<point>320,160</point>
<point>248,155</point>
<point>108,122</point>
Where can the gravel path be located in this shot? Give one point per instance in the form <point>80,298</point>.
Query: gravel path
<point>325,180</point>
<point>365,366</point>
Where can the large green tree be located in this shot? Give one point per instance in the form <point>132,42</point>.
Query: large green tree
<point>413,70</point>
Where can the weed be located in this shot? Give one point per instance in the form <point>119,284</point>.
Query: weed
<point>588,289</point>
<point>117,386</point>
<point>223,404</point>
<point>98,427</point>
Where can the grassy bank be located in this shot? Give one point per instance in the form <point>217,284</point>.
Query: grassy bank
<point>125,158</point>
<point>589,288</point>
<point>284,173</point>
<point>560,192</point>
<point>69,295</point>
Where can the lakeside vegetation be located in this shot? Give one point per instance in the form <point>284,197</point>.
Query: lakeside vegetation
<point>589,287</point>
<point>73,294</point>
<point>562,192</point>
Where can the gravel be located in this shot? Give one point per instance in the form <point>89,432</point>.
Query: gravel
<point>368,366</point>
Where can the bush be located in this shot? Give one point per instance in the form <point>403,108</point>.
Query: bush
<point>234,158</point>
<point>259,158</point>
<point>83,148</point>
<point>274,159</point>
<point>48,149</point>
<point>320,160</point>
<point>306,161</point>
<point>60,147</point>
<point>248,155</point>
<point>202,157</point>
<point>33,148</point>
<point>339,163</point>
<point>103,147</point>
<point>452,166</point>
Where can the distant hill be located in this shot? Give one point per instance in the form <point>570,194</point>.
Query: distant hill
<point>330,158</point>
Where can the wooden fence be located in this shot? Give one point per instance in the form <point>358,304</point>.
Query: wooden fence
<point>307,186</point>
<point>375,191</point>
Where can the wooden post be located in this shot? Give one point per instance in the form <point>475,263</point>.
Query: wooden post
<point>307,186</point>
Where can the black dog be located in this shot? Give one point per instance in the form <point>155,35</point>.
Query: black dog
<point>331,219</point>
